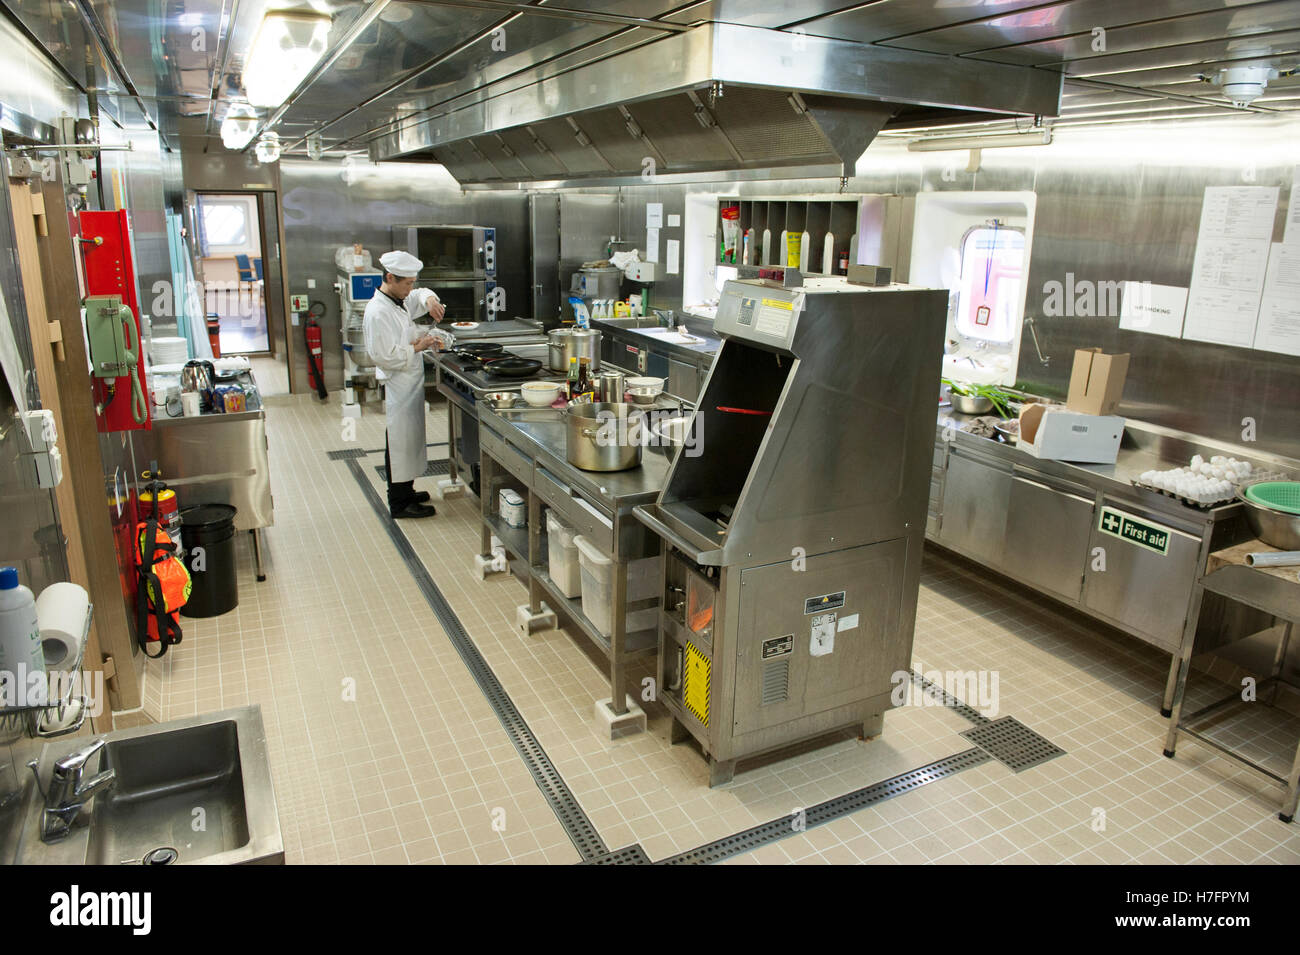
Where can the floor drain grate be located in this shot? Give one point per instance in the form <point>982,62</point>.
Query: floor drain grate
<point>935,691</point>
<point>347,454</point>
<point>432,469</point>
<point>784,827</point>
<point>561,799</point>
<point>1012,743</point>
<point>632,855</point>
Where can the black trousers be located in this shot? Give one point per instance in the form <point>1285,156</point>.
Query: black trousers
<point>400,493</point>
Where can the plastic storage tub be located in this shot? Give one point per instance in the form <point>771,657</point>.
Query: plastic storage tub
<point>598,588</point>
<point>513,510</point>
<point>563,556</point>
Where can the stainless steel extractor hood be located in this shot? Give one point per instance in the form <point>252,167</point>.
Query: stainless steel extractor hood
<point>718,97</point>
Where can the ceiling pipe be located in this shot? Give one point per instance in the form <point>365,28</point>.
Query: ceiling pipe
<point>223,63</point>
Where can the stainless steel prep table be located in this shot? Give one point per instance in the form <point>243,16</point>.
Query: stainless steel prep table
<point>215,459</point>
<point>1039,522</point>
<point>529,445</point>
<point>1271,590</point>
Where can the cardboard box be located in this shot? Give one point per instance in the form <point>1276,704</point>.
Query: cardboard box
<point>1059,434</point>
<point>1097,382</point>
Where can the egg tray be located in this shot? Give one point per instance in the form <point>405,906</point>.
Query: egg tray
<point>1189,501</point>
<point>1254,478</point>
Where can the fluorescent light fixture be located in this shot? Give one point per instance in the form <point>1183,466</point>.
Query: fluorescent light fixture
<point>287,47</point>
<point>267,149</point>
<point>238,127</point>
<point>934,144</point>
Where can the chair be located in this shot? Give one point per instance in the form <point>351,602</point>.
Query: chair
<point>246,273</point>
<point>257,266</point>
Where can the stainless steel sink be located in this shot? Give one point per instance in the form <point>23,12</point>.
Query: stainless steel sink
<point>196,790</point>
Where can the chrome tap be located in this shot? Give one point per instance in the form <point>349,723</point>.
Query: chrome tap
<point>69,791</point>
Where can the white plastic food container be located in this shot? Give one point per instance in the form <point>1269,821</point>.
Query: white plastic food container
<point>598,588</point>
<point>563,556</point>
<point>512,508</point>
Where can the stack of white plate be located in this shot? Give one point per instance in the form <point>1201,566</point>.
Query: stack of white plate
<point>169,351</point>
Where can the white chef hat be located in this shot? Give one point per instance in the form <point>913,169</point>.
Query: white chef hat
<point>402,264</point>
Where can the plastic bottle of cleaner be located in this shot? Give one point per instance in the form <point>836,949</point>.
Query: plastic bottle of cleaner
<point>20,642</point>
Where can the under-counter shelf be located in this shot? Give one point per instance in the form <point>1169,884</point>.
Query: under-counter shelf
<point>638,643</point>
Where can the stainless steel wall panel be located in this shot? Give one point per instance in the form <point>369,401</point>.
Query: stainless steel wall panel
<point>328,204</point>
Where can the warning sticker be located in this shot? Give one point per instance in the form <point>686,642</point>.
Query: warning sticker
<point>695,684</point>
<point>774,317</point>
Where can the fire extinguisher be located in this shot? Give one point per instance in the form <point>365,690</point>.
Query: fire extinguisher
<point>315,354</point>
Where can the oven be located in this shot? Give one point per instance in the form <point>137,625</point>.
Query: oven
<point>466,300</point>
<point>450,251</point>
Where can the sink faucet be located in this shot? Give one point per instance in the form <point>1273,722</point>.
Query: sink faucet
<point>69,791</point>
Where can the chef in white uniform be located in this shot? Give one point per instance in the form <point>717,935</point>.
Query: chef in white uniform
<point>398,346</point>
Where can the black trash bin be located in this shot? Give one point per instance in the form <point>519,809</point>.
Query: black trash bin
<point>215,589</point>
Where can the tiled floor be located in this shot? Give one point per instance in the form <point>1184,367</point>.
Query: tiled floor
<point>384,749</point>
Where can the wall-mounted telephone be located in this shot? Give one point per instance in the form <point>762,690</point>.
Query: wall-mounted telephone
<point>114,344</point>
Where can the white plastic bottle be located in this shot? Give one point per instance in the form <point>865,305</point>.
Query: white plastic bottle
<point>21,655</point>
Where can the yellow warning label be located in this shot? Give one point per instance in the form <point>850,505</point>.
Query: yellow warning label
<point>695,684</point>
<point>778,303</point>
<point>793,249</point>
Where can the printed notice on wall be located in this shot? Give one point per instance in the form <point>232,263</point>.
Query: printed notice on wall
<point>1156,309</point>
<point>654,215</point>
<point>1279,308</point>
<point>652,245</point>
<point>672,249</point>
<point>1292,234</point>
<point>1228,272</point>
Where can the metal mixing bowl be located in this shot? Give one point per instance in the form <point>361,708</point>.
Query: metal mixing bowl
<point>500,400</point>
<point>971,404</point>
<point>1277,528</point>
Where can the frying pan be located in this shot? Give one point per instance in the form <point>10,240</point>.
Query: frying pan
<point>512,367</point>
<point>480,349</point>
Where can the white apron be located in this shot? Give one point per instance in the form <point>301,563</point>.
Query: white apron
<point>389,336</point>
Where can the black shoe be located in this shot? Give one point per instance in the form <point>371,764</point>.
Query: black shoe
<point>415,509</point>
<point>421,497</point>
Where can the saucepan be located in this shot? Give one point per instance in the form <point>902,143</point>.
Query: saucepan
<point>604,435</point>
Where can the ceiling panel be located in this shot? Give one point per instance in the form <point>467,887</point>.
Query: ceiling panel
<point>889,19</point>
<point>403,38</point>
<point>757,13</point>
<point>1171,64</point>
<point>546,60</point>
<point>1167,38</point>
<point>1055,20</point>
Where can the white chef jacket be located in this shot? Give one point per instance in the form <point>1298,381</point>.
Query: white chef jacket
<point>390,335</point>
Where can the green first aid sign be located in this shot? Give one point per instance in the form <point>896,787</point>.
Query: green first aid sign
<point>1135,530</point>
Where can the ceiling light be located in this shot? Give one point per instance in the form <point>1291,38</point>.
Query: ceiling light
<point>315,148</point>
<point>267,149</point>
<point>931,144</point>
<point>238,127</point>
<point>287,47</point>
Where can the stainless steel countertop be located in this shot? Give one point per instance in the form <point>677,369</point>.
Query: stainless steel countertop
<point>203,419</point>
<point>541,435</point>
<point>1145,447</point>
<point>695,354</point>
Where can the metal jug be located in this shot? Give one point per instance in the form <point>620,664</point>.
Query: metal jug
<point>199,375</point>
